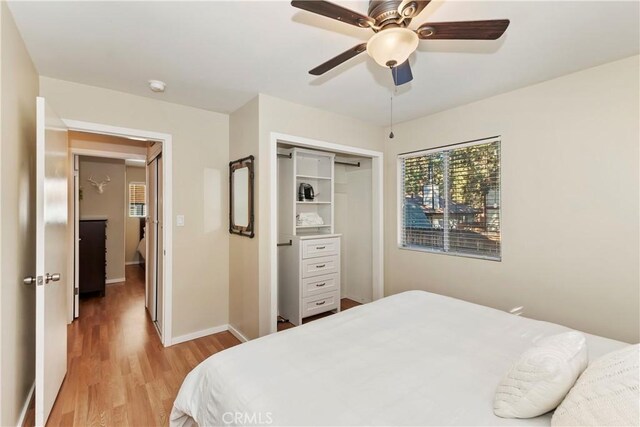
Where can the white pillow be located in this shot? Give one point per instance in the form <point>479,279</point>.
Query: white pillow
<point>606,394</point>
<point>541,377</point>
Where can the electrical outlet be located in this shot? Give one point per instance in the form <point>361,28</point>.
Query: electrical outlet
<point>180,220</point>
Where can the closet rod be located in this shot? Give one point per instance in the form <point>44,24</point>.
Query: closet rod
<point>347,164</point>
<point>357,165</point>
<point>285,244</point>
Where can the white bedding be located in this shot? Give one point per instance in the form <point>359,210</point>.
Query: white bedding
<point>414,358</point>
<point>142,248</point>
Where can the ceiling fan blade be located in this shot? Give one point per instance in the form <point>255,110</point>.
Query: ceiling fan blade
<point>334,62</point>
<point>412,8</point>
<point>464,30</point>
<point>402,73</point>
<point>333,11</point>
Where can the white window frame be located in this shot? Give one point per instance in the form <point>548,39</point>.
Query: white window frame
<point>144,215</point>
<point>400,199</point>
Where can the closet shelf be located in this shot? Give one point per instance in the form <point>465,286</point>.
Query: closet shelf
<point>313,226</point>
<point>313,203</point>
<point>313,177</point>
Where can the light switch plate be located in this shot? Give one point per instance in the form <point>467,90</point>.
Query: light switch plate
<point>180,220</point>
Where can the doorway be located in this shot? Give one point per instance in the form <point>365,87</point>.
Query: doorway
<point>118,222</point>
<point>334,224</point>
<point>154,241</point>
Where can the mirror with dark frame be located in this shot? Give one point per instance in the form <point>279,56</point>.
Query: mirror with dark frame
<point>241,175</point>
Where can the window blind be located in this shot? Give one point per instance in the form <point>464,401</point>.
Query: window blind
<point>137,199</point>
<point>450,200</point>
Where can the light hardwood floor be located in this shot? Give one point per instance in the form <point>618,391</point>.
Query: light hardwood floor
<point>118,371</point>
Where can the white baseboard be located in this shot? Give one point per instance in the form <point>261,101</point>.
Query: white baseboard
<point>118,280</point>
<point>25,407</point>
<point>132,263</point>
<point>236,333</point>
<point>198,334</point>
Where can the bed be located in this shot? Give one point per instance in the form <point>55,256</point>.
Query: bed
<point>413,358</point>
<point>142,245</point>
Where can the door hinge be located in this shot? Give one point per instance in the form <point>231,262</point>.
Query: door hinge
<point>76,291</point>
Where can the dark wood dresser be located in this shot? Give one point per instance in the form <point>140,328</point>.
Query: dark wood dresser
<point>93,256</point>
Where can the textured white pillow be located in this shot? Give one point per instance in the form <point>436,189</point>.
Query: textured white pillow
<point>606,394</point>
<point>541,377</point>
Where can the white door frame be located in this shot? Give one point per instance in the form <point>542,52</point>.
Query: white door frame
<point>167,154</point>
<point>377,230</point>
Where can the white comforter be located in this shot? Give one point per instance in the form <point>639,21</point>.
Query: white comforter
<point>410,359</point>
<point>142,248</point>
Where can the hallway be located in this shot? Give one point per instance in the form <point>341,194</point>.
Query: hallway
<point>118,371</point>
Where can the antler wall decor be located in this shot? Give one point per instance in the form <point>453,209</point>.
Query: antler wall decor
<point>99,185</point>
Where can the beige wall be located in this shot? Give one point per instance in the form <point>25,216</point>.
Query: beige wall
<point>200,162</point>
<point>110,205</point>
<point>243,251</point>
<point>132,224</point>
<point>19,88</point>
<point>569,202</point>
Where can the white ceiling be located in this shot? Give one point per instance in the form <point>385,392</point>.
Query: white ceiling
<point>219,55</point>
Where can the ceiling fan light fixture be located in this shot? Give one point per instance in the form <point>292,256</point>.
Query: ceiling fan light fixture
<point>392,46</point>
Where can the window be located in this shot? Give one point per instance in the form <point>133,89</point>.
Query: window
<point>450,200</point>
<point>137,197</point>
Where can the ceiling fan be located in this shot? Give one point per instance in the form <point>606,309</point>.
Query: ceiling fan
<point>393,41</point>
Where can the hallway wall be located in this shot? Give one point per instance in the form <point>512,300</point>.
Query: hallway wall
<point>110,205</point>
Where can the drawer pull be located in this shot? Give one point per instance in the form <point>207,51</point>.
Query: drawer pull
<point>319,285</point>
<point>321,265</point>
<point>320,303</point>
<point>320,247</point>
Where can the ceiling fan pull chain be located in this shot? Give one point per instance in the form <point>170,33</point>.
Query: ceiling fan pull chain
<point>391,118</point>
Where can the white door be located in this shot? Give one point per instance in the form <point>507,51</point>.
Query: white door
<point>152,235</point>
<point>51,277</point>
<point>76,237</point>
<point>160,245</point>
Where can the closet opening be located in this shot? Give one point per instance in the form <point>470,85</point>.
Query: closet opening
<point>328,203</point>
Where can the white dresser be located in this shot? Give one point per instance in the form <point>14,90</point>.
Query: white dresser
<point>309,277</point>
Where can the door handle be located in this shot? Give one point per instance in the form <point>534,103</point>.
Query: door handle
<point>33,280</point>
<point>55,277</point>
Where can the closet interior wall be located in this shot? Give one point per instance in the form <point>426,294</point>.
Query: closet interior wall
<point>353,219</point>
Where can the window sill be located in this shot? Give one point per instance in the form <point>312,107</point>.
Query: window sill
<point>456,254</point>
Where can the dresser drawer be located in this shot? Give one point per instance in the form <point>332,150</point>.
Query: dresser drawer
<point>319,285</point>
<point>319,304</point>
<point>320,247</point>
<point>320,266</point>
